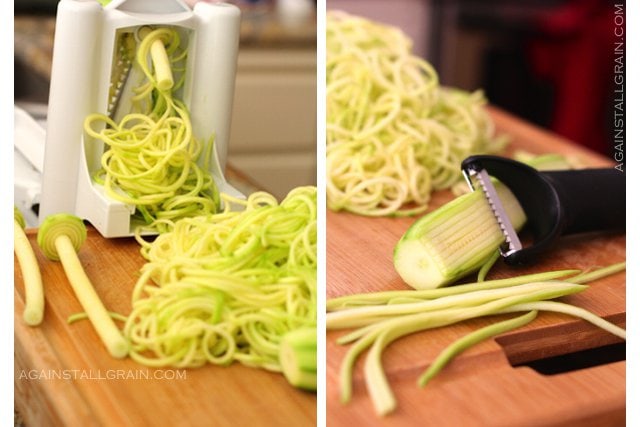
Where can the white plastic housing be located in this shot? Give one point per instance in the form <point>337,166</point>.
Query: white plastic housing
<point>80,77</point>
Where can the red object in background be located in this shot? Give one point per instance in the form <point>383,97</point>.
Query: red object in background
<point>576,53</point>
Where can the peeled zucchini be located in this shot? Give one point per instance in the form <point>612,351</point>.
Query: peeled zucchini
<point>454,240</point>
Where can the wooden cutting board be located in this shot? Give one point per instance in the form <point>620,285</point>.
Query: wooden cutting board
<point>482,387</point>
<point>64,376</point>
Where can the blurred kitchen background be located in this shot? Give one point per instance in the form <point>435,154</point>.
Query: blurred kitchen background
<point>273,133</point>
<point>551,62</point>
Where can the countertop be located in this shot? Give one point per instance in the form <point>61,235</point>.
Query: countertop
<point>64,376</point>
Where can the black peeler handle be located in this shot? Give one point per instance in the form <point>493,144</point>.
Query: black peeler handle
<point>591,199</point>
<point>558,203</point>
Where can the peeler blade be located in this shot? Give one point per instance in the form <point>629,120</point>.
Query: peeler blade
<point>555,203</point>
<point>480,176</point>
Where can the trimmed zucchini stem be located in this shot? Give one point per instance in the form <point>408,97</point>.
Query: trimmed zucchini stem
<point>32,278</point>
<point>388,297</point>
<point>454,240</point>
<point>362,316</point>
<point>590,276</point>
<point>486,267</point>
<point>471,339</point>
<point>571,310</point>
<point>389,330</point>
<point>83,316</point>
<point>298,358</point>
<point>60,237</point>
<point>386,316</point>
<point>549,161</point>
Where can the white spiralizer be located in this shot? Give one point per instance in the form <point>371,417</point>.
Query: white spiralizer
<point>83,61</point>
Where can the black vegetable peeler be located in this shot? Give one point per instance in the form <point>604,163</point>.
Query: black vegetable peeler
<point>556,203</point>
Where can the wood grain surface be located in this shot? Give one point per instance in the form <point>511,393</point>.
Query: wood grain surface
<point>64,376</point>
<point>482,387</point>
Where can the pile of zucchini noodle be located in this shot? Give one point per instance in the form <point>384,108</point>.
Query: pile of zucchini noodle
<point>226,278</point>
<point>226,287</point>
<point>152,155</point>
<point>393,133</point>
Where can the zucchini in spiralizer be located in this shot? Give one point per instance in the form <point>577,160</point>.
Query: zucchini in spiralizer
<point>154,159</point>
<point>60,237</point>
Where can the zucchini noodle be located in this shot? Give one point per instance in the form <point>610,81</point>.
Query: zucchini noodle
<point>152,155</point>
<point>228,286</point>
<point>393,133</point>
